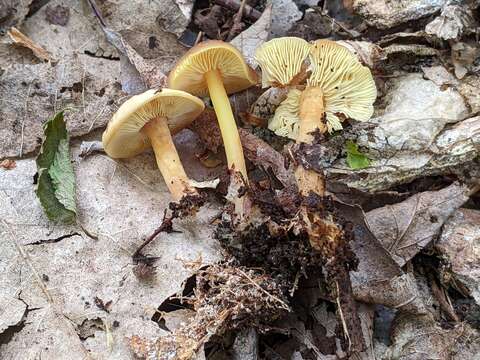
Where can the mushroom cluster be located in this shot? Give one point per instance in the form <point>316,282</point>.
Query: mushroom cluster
<point>212,68</point>
<point>327,82</point>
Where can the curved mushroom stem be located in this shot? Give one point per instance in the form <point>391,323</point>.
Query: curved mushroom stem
<point>228,127</point>
<point>167,158</point>
<point>312,111</point>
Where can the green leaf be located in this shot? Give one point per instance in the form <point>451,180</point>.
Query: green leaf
<point>56,179</point>
<point>355,159</point>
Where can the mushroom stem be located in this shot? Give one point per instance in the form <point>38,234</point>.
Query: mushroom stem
<point>311,113</point>
<point>226,121</point>
<point>167,158</point>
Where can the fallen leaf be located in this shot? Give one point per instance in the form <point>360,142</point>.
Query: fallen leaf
<point>378,278</point>
<point>407,227</point>
<point>56,180</point>
<point>459,246</point>
<point>413,337</point>
<point>23,40</point>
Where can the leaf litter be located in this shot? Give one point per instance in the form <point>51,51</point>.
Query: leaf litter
<point>262,282</point>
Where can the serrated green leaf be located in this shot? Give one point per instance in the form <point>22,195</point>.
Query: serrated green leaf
<point>355,159</point>
<point>56,179</point>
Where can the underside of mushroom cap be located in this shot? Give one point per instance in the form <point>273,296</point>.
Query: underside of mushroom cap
<point>189,73</point>
<point>286,119</point>
<point>123,137</point>
<point>282,61</point>
<point>347,85</point>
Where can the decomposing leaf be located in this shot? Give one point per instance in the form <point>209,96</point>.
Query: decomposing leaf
<point>379,279</point>
<point>459,246</point>
<point>84,267</point>
<point>12,312</point>
<point>56,180</point>
<point>413,337</point>
<point>407,227</point>
<point>355,159</point>
<point>463,56</point>
<point>21,39</point>
<point>12,12</point>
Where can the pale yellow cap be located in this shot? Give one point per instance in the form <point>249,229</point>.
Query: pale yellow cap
<point>189,73</point>
<point>348,86</point>
<point>282,61</point>
<point>123,138</point>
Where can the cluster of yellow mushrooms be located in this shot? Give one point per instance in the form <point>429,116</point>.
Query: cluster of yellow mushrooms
<point>325,81</point>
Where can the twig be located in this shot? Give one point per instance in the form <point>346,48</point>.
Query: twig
<point>236,27</point>
<point>166,227</point>
<point>342,318</point>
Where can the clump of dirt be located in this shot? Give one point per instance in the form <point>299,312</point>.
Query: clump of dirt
<point>284,256</point>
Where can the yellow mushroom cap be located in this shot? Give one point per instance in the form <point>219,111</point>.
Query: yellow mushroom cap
<point>282,60</point>
<point>189,73</point>
<point>123,137</point>
<point>348,86</point>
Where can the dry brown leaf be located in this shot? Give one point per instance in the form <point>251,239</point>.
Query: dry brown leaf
<point>407,227</point>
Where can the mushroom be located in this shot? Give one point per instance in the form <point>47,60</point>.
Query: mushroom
<point>337,84</point>
<point>217,68</point>
<point>148,120</point>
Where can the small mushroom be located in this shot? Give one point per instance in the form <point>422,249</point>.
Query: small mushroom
<point>149,120</point>
<point>217,68</point>
<point>337,84</point>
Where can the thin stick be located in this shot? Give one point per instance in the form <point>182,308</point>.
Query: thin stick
<point>199,38</point>
<point>166,226</point>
